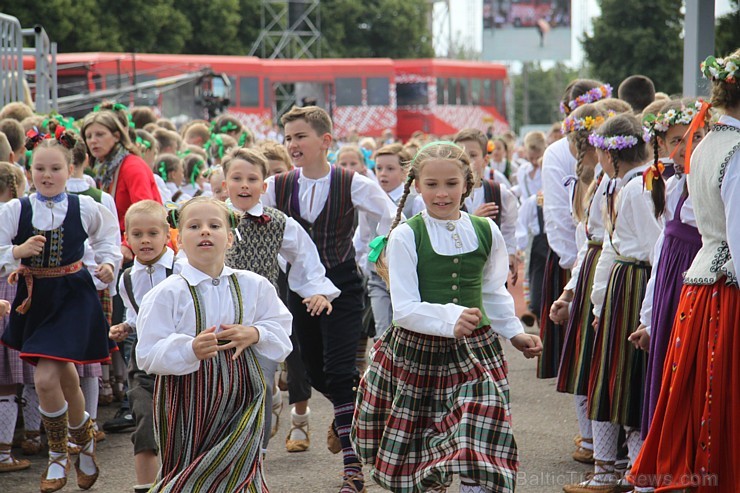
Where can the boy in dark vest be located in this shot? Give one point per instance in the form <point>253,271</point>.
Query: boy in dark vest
<point>323,199</point>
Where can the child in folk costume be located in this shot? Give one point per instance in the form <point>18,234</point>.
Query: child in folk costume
<point>574,308</point>
<point>200,332</point>
<point>694,438</point>
<point>434,401</point>
<point>57,318</point>
<point>263,234</point>
<point>618,369</point>
<point>324,199</point>
<point>147,233</point>
<point>172,171</point>
<point>13,370</point>
<point>676,247</point>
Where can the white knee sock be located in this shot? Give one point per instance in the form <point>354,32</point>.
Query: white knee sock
<point>91,391</point>
<point>634,443</point>
<point>8,417</point>
<point>299,420</point>
<point>606,436</point>
<point>584,424</point>
<point>31,414</point>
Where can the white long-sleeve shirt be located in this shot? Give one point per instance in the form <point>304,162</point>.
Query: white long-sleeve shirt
<point>635,233</point>
<point>674,189</point>
<point>410,312</point>
<point>100,225</point>
<point>730,193</point>
<point>508,209</point>
<point>528,185</point>
<point>307,275</point>
<point>593,227</point>
<point>366,196</point>
<point>166,323</point>
<point>528,224</point>
<point>143,280</point>
<point>558,164</point>
<point>78,185</point>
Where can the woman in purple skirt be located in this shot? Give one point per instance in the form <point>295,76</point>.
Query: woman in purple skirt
<point>676,247</point>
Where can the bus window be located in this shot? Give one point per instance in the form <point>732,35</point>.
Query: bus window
<point>378,91</point>
<point>232,100</point>
<point>441,88</point>
<point>249,95</point>
<point>475,91</point>
<point>498,87</point>
<point>266,93</point>
<point>463,91</point>
<point>71,85</point>
<point>487,99</point>
<point>412,93</point>
<point>349,91</point>
<point>452,91</point>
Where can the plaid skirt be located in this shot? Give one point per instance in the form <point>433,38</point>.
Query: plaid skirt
<point>552,334</point>
<point>618,370</point>
<point>575,361</point>
<point>94,370</point>
<point>432,407</point>
<point>13,370</point>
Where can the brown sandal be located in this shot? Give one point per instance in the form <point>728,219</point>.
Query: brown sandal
<point>14,464</point>
<point>349,479</point>
<point>297,445</point>
<point>52,485</point>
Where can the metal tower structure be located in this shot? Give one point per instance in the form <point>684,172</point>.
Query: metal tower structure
<point>290,29</point>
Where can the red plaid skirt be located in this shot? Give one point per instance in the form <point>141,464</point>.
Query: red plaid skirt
<point>432,407</point>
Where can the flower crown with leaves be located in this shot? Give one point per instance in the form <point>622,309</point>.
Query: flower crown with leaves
<point>588,123</point>
<point>665,120</point>
<point>721,69</point>
<point>614,142</point>
<point>595,94</point>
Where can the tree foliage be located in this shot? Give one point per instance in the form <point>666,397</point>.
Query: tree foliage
<point>635,37</point>
<point>727,31</point>
<point>350,28</point>
<point>544,89</point>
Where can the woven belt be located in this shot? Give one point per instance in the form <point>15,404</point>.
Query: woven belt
<point>633,261</point>
<point>29,273</point>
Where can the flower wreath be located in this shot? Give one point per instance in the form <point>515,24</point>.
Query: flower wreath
<point>571,124</point>
<point>614,142</point>
<point>720,69</point>
<point>663,121</point>
<point>595,94</point>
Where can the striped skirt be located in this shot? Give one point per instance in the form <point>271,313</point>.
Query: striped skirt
<point>694,438</point>
<point>552,334</point>
<point>617,376</point>
<point>209,426</point>
<point>575,363</point>
<point>13,370</point>
<point>429,408</point>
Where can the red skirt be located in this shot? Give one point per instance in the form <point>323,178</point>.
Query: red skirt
<point>694,439</point>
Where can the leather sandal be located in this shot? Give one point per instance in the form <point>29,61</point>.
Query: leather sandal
<point>298,445</point>
<point>52,485</point>
<point>12,464</point>
<point>85,481</point>
<point>350,480</point>
<point>332,440</point>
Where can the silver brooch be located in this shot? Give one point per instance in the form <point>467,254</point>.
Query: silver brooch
<point>450,226</point>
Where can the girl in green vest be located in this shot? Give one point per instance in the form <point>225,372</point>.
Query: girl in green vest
<point>434,401</point>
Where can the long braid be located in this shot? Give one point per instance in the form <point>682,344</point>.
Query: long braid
<point>381,266</point>
<point>658,191</point>
<point>585,175</point>
<point>611,203</point>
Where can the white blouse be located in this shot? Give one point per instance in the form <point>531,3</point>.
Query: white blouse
<point>674,189</point>
<point>144,279</point>
<point>526,185</point>
<point>528,224</point>
<point>307,275</point>
<point>557,165</point>
<point>410,312</point>
<point>366,196</point>
<point>164,192</point>
<point>509,213</point>
<point>730,193</point>
<point>166,322</point>
<point>100,225</point>
<point>634,236</point>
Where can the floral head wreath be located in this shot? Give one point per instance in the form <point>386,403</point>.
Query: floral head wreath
<point>614,142</point>
<point>571,124</point>
<point>721,69</point>
<point>663,121</point>
<point>595,94</point>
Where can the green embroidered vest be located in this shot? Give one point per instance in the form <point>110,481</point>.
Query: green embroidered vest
<point>454,279</point>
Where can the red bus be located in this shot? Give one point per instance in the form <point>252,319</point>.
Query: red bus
<point>365,96</point>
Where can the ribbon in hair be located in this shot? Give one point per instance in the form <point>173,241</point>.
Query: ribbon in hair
<point>376,248</point>
<point>366,153</point>
<point>243,139</point>
<point>196,171</point>
<point>652,174</point>
<point>162,170</point>
<point>143,142</point>
<point>698,122</point>
<point>227,127</point>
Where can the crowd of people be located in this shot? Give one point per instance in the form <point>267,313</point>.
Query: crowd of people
<point>197,273</point>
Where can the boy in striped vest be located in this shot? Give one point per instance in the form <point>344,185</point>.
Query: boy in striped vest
<point>323,199</point>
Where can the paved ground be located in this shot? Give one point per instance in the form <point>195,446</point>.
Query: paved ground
<point>544,425</point>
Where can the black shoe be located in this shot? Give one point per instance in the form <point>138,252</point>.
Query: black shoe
<point>123,421</point>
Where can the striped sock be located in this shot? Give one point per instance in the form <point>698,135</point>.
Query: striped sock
<point>343,418</point>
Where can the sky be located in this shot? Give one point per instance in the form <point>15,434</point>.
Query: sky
<point>465,20</point>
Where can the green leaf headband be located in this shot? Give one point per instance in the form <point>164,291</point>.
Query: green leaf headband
<point>196,171</point>
<point>720,69</point>
<point>163,170</point>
